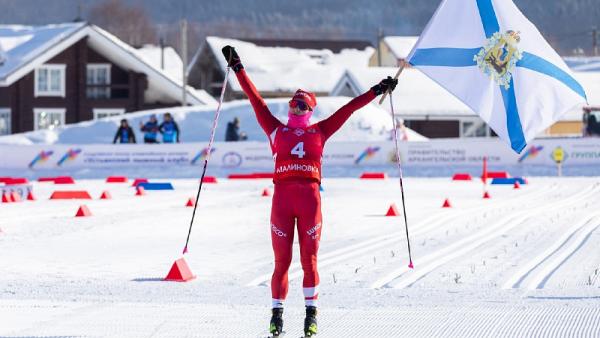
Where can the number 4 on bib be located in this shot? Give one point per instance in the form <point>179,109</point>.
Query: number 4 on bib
<point>298,150</point>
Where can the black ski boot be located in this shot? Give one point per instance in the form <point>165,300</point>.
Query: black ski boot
<point>276,326</point>
<point>310,322</point>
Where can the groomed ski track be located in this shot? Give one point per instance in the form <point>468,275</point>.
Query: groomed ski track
<point>524,263</point>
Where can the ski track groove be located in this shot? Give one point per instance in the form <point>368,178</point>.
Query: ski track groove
<point>460,248</point>
<point>375,243</point>
<point>517,278</point>
<point>541,278</point>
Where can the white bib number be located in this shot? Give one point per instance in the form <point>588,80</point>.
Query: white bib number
<point>298,150</point>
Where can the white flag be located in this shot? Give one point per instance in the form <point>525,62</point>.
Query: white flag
<point>492,58</point>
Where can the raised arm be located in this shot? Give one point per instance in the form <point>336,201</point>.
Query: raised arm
<point>334,122</point>
<point>267,121</point>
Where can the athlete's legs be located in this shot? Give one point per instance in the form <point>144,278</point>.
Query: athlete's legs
<point>282,238</point>
<point>309,234</point>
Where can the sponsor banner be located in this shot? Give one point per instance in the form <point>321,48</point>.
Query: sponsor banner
<point>570,151</point>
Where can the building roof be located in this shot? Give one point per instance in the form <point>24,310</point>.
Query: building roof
<point>583,63</point>
<point>335,46</point>
<point>284,69</point>
<point>415,96</point>
<point>28,47</point>
<point>400,46</point>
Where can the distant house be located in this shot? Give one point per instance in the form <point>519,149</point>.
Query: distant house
<point>426,107</point>
<point>278,67</point>
<point>66,73</point>
<point>392,50</point>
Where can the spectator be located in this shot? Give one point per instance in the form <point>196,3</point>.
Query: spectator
<point>169,129</point>
<point>150,130</point>
<point>401,131</point>
<point>586,116</point>
<point>124,133</point>
<point>243,136</point>
<point>233,130</point>
<point>593,127</point>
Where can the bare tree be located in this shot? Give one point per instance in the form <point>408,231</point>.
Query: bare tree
<point>130,23</point>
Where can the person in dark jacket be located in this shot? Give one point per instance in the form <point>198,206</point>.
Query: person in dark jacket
<point>124,133</point>
<point>150,130</point>
<point>169,129</point>
<point>233,130</point>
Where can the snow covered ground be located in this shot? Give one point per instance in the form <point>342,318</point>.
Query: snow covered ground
<point>525,263</point>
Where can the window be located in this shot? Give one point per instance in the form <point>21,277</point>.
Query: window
<point>474,129</point>
<point>4,121</point>
<point>48,118</point>
<point>98,81</point>
<point>50,80</point>
<point>100,113</point>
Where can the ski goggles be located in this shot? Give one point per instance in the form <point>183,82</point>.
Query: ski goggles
<point>300,105</point>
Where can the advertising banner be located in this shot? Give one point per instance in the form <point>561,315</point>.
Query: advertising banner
<point>441,152</point>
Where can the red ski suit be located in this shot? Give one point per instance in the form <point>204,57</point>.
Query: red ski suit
<point>297,201</point>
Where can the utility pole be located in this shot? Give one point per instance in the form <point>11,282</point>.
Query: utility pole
<point>184,59</point>
<point>379,39</point>
<point>162,53</point>
<point>595,41</point>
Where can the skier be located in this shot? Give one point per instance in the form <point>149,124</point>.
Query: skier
<point>124,133</point>
<point>169,129</point>
<point>150,130</point>
<point>297,149</point>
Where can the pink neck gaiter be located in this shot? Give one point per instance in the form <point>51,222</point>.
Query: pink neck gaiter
<point>298,121</point>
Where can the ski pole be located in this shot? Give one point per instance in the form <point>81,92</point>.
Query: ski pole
<point>410,264</point>
<point>208,151</point>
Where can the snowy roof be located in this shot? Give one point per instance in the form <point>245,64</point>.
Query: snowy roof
<point>173,64</point>
<point>400,45</point>
<point>284,69</point>
<point>415,95</point>
<point>583,64</point>
<point>27,47</point>
<point>22,45</point>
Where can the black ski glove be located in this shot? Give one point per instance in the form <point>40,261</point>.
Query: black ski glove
<point>385,85</point>
<point>232,58</point>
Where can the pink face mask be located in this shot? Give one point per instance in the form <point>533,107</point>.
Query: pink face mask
<point>298,121</point>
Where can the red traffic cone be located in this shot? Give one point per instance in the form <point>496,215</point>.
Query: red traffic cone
<point>180,272</point>
<point>139,191</point>
<point>393,210</point>
<point>486,195</point>
<point>83,211</point>
<point>30,196</point>
<point>517,185</point>
<point>446,204</point>
<point>15,197</point>
<point>190,202</point>
<point>266,192</point>
<point>6,198</point>
<point>105,195</point>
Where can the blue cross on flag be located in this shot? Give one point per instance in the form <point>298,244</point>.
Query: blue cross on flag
<point>487,54</point>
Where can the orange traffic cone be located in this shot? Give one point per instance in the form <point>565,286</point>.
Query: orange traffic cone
<point>266,192</point>
<point>517,185</point>
<point>180,272</point>
<point>83,211</point>
<point>393,210</point>
<point>190,202</point>
<point>139,191</point>
<point>30,196</point>
<point>486,195</point>
<point>105,195</point>
<point>446,204</point>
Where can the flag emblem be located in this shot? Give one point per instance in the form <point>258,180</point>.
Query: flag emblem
<point>499,57</point>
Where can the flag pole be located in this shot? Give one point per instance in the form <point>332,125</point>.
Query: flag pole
<point>402,65</point>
